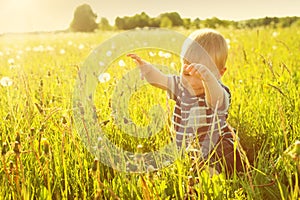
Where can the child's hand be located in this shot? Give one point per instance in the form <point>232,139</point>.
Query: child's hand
<point>198,70</point>
<point>139,62</point>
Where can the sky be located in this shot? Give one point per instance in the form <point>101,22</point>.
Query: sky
<point>50,15</point>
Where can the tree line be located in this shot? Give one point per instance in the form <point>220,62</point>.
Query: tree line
<point>85,20</point>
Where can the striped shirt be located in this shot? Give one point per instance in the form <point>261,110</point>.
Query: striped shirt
<point>193,120</point>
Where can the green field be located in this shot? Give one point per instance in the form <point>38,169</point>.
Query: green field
<point>43,156</point>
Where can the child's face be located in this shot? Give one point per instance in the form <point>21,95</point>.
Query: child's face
<point>193,83</point>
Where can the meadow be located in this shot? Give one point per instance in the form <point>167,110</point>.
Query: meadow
<point>43,156</point>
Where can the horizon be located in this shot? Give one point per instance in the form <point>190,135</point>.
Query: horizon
<point>46,16</point>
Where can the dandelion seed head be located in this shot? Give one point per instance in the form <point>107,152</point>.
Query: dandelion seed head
<point>6,81</point>
<point>275,34</point>
<point>101,63</point>
<point>167,55</point>
<point>161,54</point>
<point>108,53</point>
<point>62,51</point>
<point>49,48</point>
<point>104,77</point>
<point>81,46</point>
<point>11,61</point>
<point>122,63</point>
<point>152,54</point>
<point>173,65</point>
<point>227,40</point>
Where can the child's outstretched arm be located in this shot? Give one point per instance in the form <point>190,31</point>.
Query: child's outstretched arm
<point>214,92</point>
<point>151,73</point>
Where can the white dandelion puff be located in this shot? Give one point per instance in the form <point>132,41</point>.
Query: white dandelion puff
<point>101,63</point>
<point>49,48</point>
<point>62,51</point>
<point>173,65</point>
<point>167,55</point>
<point>6,81</point>
<point>11,61</point>
<point>70,43</point>
<point>275,34</point>
<point>108,53</point>
<point>122,63</point>
<point>161,54</point>
<point>152,54</point>
<point>227,40</point>
<point>104,77</point>
<point>1,53</point>
<point>12,67</point>
<point>81,46</point>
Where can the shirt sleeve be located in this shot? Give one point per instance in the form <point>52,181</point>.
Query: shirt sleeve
<point>173,88</point>
<point>226,101</point>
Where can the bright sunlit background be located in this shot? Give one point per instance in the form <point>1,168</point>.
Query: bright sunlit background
<point>47,15</point>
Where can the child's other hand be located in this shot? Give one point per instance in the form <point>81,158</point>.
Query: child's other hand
<point>198,70</point>
<point>136,59</point>
<point>140,63</point>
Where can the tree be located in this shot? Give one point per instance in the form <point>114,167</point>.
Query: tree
<point>84,19</point>
<point>174,17</point>
<point>104,24</point>
<point>165,22</point>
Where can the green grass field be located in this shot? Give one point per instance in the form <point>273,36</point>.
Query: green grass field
<point>43,156</point>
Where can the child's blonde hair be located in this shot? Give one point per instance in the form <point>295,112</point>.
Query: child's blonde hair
<point>212,42</point>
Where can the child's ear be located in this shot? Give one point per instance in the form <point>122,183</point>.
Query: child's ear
<point>222,71</point>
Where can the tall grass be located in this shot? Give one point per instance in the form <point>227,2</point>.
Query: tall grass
<point>43,156</point>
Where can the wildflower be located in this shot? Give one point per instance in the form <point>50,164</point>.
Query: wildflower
<point>122,63</point>
<point>4,148</point>
<point>95,165</point>
<point>11,165</point>
<point>17,148</point>
<point>6,81</point>
<point>18,138</point>
<point>104,77</point>
<point>46,146</point>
